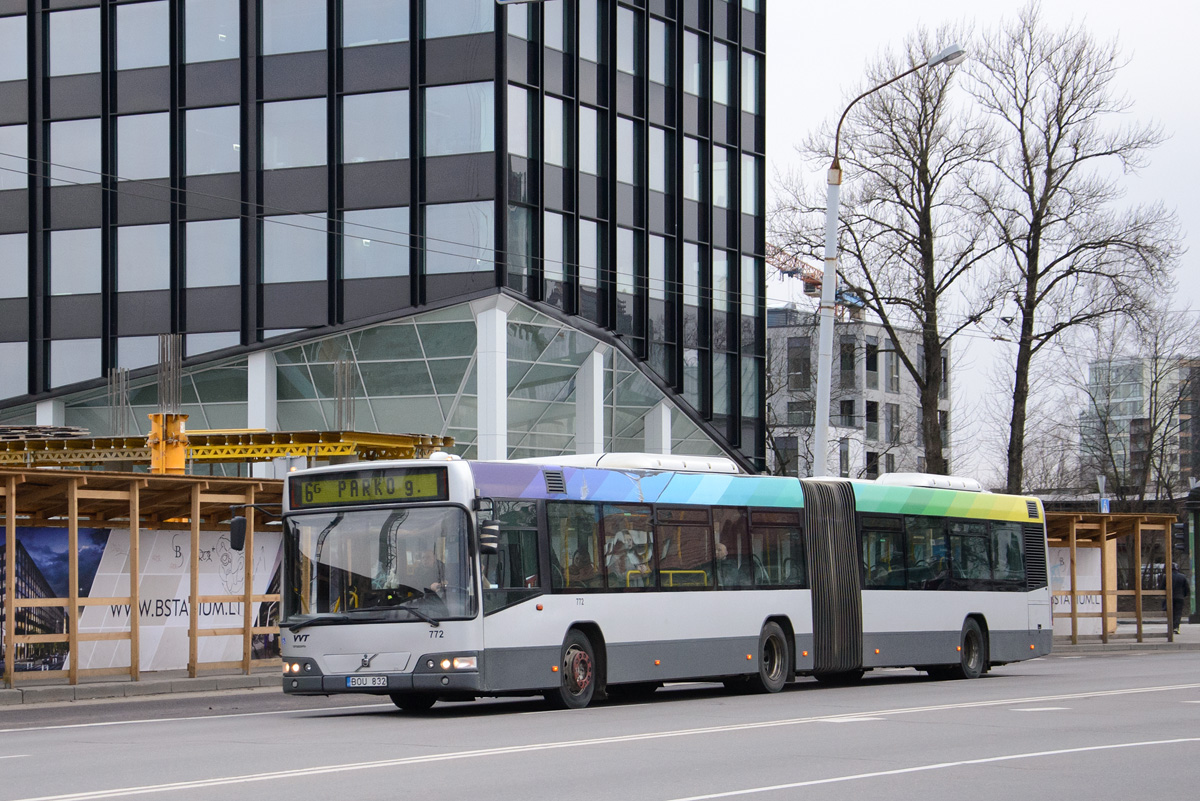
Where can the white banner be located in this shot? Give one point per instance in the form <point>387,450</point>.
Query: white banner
<point>164,590</point>
<point>1089,599</point>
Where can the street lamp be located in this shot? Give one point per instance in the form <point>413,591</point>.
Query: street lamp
<point>951,55</point>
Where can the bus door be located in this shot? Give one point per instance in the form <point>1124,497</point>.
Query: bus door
<point>833,562</point>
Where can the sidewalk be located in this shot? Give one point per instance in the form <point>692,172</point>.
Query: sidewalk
<point>1154,638</point>
<point>161,683</point>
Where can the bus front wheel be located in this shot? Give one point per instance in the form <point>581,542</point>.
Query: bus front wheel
<point>774,659</point>
<point>577,673</point>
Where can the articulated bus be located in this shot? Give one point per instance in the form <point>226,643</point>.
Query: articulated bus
<point>584,577</point>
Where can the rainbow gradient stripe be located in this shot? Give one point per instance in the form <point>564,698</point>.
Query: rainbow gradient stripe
<point>892,499</point>
<point>501,480</point>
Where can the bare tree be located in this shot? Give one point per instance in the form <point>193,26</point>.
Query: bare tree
<point>911,237</point>
<point>1071,257</point>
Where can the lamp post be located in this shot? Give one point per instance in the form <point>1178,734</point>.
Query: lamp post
<point>951,55</point>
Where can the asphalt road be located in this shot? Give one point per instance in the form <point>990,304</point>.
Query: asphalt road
<point>1121,726</point>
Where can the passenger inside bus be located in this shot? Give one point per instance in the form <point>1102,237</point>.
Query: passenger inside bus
<point>731,573</point>
<point>625,568</point>
<point>583,570</point>
<point>734,564</point>
<point>428,572</point>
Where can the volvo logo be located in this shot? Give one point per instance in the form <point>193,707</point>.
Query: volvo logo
<point>366,662</point>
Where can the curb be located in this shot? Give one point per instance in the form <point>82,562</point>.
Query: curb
<point>50,694</point>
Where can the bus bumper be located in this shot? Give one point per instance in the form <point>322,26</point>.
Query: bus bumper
<point>309,680</point>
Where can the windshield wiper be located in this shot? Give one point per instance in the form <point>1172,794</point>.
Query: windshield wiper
<point>316,621</point>
<point>330,620</point>
<point>353,617</point>
<point>417,613</point>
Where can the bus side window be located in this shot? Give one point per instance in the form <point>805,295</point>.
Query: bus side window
<point>1008,556</point>
<point>970,564</point>
<point>684,542</point>
<point>735,565</point>
<point>926,558</point>
<point>574,545</point>
<point>629,558</point>
<point>511,574</point>
<point>777,547</point>
<point>883,552</point>
<point>515,566</point>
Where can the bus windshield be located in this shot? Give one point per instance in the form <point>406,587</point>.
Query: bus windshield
<point>404,564</point>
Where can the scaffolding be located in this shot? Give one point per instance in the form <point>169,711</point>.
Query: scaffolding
<point>211,447</point>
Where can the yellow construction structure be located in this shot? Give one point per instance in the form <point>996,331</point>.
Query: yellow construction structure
<point>170,447</point>
<point>168,444</point>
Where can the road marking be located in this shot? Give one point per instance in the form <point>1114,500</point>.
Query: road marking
<point>935,766</point>
<point>1041,709</point>
<point>850,720</point>
<point>625,738</point>
<point>194,717</point>
<point>13,756</point>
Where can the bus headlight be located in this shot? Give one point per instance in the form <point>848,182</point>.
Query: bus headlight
<point>466,663</point>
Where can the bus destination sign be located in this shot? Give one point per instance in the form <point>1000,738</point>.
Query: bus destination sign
<point>369,486</point>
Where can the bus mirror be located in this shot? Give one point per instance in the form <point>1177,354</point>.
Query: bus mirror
<point>237,533</point>
<point>489,536</point>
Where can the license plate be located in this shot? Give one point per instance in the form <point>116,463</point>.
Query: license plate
<point>366,681</point>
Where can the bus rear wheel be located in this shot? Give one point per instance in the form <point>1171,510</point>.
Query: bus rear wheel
<point>774,659</point>
<point>972,655</point>
<point>577,673</point>
<point>413,702</point>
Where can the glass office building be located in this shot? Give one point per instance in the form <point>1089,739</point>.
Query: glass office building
<point>535,227</point>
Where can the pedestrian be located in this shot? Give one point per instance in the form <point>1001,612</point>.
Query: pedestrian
<point>1179,595</point>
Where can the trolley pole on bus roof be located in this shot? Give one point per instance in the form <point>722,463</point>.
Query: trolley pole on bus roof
<point>951,55</point>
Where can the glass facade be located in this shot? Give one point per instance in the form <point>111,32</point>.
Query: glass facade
<point>12,49</point>
<point>459,119</point>
<point>14,265</point>
<point>75,152</point>
<point>211,30</point>
<point>603,163</point>
<point>14,150</point>
<point>143,146</point>
<point>143,258</point>
<point>375,127</point>
<point>293,134</point>
<point>75,262</point>
<point>213,140</point>
<point>292,26</point>
<point>375,243</point>
<point>368,22</point>
<point>142,35</point>
<point>75,41</point>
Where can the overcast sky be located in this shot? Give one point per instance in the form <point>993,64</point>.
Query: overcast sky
<point>817,53</point>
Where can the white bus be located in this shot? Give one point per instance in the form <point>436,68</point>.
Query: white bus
<point>581,577</point>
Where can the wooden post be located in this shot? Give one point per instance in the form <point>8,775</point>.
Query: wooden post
<point>248,587</point>
<point>194,593</point>
<point>1104,588</point>
<point>10,580</point>
<point>73,580</point>
<point>1168,564</point>
<point>135,577</point>
<point>1137,574</point>
<point>1074,586</point>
